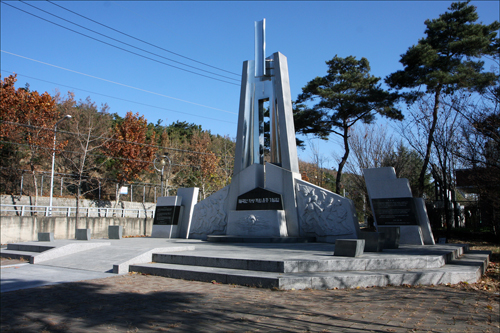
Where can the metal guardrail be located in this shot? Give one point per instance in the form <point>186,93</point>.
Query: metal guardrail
<point>59,211</point>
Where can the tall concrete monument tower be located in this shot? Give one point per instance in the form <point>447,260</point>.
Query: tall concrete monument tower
<point>270,199</point>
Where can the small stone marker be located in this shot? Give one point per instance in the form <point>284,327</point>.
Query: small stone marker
<point>349,247</point>
<point>374,241</point>
<point>392,235</point>
<point>115,232</point>
<point>45,236</point>
<point>83,234</point>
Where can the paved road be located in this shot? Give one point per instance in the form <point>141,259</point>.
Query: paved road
<point>141,303</point>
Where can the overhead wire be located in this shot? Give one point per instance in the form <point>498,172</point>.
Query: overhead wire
<point>119,41</point>
<point>143,41</point>
<point>109,139</point>
<point>120,48</point>
<point>121,99</point>
<point>117,83</point>
<point>92,154</point>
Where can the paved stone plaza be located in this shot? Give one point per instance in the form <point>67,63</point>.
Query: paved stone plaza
<point>143,303</point>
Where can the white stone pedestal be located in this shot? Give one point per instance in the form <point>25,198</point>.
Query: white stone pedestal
<point>167,230</point>
<point>259,223</point>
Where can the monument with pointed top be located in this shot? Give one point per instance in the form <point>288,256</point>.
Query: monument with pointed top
<point>270,199</point>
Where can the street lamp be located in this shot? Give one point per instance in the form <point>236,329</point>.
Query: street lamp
<point>53,160</point>
<point>163,163</point>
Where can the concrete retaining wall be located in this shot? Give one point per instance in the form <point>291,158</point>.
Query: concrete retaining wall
<point>71,202</point>
<point>26,228</point>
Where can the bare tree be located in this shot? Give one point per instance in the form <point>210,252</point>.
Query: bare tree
<point>87,135</point>
<point>478,151</point>
<point>369,147</point>
<point>318,160</point>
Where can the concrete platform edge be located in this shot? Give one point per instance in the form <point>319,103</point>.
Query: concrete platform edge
<point>64,251</point>
<point>123,267</point>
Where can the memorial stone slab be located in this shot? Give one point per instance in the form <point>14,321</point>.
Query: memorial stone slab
<point>395,211</point>
<point>167,213</point>
<point>393,205</point>
<point>259,199</point>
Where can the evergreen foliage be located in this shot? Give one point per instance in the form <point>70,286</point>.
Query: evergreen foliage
<point>446,60</point>
<point>346,95</point>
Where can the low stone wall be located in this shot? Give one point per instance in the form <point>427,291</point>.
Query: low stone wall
<point>71,202</point>
<point>26,228</point>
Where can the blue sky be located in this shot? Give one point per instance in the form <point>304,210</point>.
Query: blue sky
<point>218,33</point>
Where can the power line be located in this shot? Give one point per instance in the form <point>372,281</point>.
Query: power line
<point>135,47</point>
<point>100,155</point>
<point>109,139</point>
<point>177,54</point>
<point>97,155</point>
<point>69,175</point>
<point>121,99</point>
<point>120,84</point>
<point>120,48</point>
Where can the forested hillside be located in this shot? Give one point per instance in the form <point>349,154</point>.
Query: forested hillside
<point>97,152</point>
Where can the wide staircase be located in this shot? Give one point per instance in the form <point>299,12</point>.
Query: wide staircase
<point>408,265</point>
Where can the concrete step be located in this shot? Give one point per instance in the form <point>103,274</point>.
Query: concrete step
<point>249,239</point>
<point>14,254</point>
<point>383,261</point>
<point>468,269</point>
<point>30,247</point>
<point>23,251</point>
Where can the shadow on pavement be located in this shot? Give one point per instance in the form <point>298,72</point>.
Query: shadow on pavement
<point>148,303</point>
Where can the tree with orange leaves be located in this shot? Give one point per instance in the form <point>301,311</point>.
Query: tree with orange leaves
<point>28,119</point>
<point>206,175</point>
<point>130,149</point>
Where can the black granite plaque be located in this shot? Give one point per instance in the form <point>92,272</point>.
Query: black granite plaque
<point>167,215</point>
<point>395,211</point>
<point>259,199</point>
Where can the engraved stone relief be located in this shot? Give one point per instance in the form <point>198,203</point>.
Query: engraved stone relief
<point>322,213</point>
<point>209,216</point>
<point>252,224</point>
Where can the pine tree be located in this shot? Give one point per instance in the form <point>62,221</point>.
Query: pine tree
<point>346,95</point>
<point>447,60</point>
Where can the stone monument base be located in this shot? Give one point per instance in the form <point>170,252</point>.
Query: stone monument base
<point>167,215</point>
<point>261,223</point>
<point>409,234</point>
<point>165,231</point>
